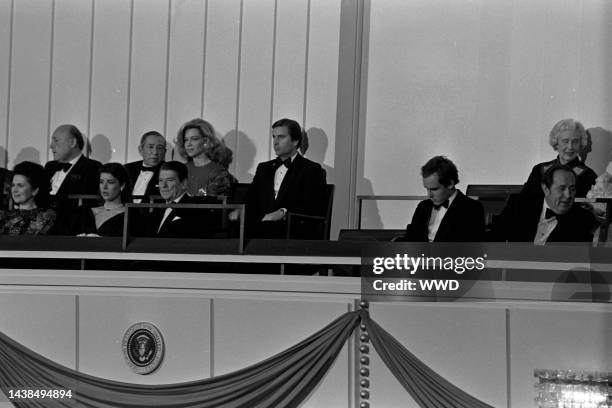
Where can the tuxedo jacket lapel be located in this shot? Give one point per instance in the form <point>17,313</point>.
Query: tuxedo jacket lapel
<point>72,176</point>
<point>289,177</point>
<point>447,221</point>
<point>452,212</point>
<point>171,215</point>
<point>445,224</point>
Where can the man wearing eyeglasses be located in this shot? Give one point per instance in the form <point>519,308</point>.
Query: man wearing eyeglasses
<point>144,174</point>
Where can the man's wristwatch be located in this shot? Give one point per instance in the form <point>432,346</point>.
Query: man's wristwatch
<point>284,211</point>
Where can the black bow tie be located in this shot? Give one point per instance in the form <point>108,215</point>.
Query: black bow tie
<point>151,169</point>
<point>63,166</point>
<point>550,214</point>
<point>445,204</point>
<point>280,162</point>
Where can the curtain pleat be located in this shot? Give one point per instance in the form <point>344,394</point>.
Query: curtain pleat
<point>426,387</point>
<point>282,381</point>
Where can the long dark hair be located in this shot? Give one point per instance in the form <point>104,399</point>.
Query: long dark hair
<point>120,173</point>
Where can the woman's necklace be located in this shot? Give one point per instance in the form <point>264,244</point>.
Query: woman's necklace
<point>113,206</point>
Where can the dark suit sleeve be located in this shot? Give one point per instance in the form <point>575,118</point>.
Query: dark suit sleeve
<point>416,231</point>
<point>503,225</point>
<point>475,229</point>
<point>91,177</point>
<point>314,201</point>
<point>532,186</point>
<point>584,182</point>
<point>253,209</point>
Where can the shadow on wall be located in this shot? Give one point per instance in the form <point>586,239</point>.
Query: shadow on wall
<point>598,152</point>
<point>100,149</point>
<point>316,146</point>
<point>244,154</point>
<point>28,154</point>
<point>3,157</point>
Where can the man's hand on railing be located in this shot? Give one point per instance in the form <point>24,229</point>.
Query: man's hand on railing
<point>234,215</point>
<point>275,215</point>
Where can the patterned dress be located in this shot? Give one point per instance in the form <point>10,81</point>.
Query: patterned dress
<point>210,179</point>
<point>37,221</point>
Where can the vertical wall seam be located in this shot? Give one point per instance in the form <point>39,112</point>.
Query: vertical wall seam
<point>167,68</point>
<point>238,82</point>
<point>351,357</point>
<point>212,338</point>
<point>508,362</point>
<point>272,82</point>
<point>9,83</point>
<point>76,337</point>
<point>306,58</point>
<point>91,60</point>
<point>580,64</point>
<point>359,61</point>
<point>129,83</point>
<point>204,47</point>
<point>51,52</point>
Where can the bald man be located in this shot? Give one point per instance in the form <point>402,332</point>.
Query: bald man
<point>70,172</point>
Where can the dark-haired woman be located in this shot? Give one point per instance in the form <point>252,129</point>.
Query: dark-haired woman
<point>207,159</point>
<point>30,194</point>
<point>107,219</point>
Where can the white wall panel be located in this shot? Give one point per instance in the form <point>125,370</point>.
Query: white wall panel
<point>252,140</point>
<point>479,81</point>
<point>322,82</point>
<point>594,92</point>
<point>556,339</point>
<point>110,76</point>
<point>249,331</point>
<point>221,67</point>
<point>5,61</point>
<point>148,80</point>
<point>44,323</point>
<point>186,63</point>
<point>562,79</point>
<point>290,59</point>
<point>465,345</point>
<point>71,65</point>
<point>184,324</point>
<point>30,72</point>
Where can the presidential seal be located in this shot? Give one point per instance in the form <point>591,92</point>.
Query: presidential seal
<point>143,347</point>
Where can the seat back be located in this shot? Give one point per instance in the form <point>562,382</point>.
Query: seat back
<point>493,197</point>
<point>238,193</point>
<point>329,194</point>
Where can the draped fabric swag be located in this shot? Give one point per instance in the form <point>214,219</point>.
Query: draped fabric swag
<point>284,380</point>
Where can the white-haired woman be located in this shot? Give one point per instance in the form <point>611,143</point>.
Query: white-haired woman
<point>568,138</point>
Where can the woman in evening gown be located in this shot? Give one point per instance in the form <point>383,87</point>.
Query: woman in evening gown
<point>30,188</point>
<point>207,159</point>
<point>107,219</point>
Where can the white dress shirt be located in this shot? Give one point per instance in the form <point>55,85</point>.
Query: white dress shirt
<point>140,187</point>
<point>436,218</point>
<point>545,226</point>
<point>279,176</point>
<point>60,175</point>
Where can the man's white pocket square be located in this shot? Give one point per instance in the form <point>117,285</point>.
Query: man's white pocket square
<point>176,218</point>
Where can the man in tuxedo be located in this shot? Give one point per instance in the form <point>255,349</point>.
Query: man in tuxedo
<point>289,183</point>
<point>448,215</point>
<point>174,222</point>
<point>144,174</point>
<point>555,218</point>
<point>70,173</point>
